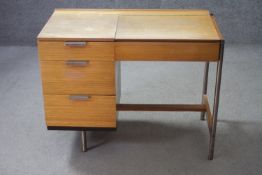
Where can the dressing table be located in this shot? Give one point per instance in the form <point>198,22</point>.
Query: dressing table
<point>80,52</point>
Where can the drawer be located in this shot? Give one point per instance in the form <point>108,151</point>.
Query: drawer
<point>65,77</point>
<point>80,111</point>
<point>58,50</point>
<point>165,51</point>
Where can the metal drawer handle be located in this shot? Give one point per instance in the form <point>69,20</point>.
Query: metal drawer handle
<point>75,43</point>
<point>77,63</point>
<point>79,97</point>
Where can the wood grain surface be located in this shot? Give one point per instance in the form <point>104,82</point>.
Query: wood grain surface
<point>56,50</point>
<point>129,24</point>
<point>97,77</point>
<point>160,27</point>
<point>98,111</point>
<point>77,25</point>
<point>167,51</point>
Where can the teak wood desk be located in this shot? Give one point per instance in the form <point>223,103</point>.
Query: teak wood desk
<point>80,50</point>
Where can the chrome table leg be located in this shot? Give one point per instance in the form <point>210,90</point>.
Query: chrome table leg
<point>205,83</point>
<point>216,103</point>
<point>84,141</point>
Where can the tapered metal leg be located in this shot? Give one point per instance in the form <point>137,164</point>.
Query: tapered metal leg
<point>205,83</point>
<point>216,103</point>
<point>84,141</point>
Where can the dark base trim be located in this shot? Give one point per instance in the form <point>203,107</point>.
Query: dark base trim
<point>80,128</point>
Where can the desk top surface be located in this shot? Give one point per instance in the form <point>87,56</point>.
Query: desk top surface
<point>129,25</point>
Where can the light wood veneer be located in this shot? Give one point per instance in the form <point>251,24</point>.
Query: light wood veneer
<point>56,50</point>
<point>98,111</point>
<point>167,51</point>
<point>95,78</point>
<point>112,35</point>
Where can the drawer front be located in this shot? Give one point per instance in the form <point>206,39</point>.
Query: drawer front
<point>58,50</point>
<point>92,77</point>
<point>165,51</point>
<point>80,111</point>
